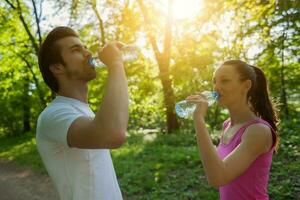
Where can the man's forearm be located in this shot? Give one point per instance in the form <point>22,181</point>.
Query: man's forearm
<point>113,112</point>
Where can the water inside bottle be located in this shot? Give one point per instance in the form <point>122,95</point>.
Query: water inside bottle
<point>184,108</point>
<point>95,62</point>
<point>129,54</point>
<point>211,97</point>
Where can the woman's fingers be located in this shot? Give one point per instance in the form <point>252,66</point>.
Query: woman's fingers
<point>194,97</point>
<point>196,100</point>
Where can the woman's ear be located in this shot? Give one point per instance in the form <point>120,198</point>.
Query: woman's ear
<point>248,84</point>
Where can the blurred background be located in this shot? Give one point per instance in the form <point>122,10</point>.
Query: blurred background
<point>181,43</point>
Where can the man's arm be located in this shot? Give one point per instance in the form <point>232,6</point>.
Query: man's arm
<point>107,129</point>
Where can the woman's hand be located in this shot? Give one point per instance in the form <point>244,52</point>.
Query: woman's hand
<point>201,105</point>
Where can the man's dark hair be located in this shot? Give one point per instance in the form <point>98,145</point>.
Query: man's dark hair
<point>50,53</point>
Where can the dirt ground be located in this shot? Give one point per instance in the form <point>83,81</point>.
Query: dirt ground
<point>21,183</point>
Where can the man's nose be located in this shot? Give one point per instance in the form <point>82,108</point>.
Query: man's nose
<point>87,53</point>
<point>216,87</point>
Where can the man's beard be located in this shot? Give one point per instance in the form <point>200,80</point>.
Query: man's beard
<point>79,74</point>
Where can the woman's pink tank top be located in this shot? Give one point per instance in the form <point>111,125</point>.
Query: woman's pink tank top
<point>253,183</point>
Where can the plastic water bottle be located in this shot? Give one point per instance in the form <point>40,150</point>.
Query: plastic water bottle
<point>129,53</point>
<point>185,109</point>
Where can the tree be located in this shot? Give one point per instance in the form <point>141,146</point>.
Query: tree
<point>163,61</point>
<point>24,60</point>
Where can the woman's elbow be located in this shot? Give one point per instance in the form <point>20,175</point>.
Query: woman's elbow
<point>216,183</point>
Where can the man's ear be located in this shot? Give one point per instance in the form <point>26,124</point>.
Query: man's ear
<point>57,68</point>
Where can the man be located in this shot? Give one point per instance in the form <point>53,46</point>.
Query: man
<point>73,141</point>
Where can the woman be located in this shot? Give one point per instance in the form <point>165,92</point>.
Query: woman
<point>241,163</point>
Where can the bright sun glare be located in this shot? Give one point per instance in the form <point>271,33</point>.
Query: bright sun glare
<point>186,9</point>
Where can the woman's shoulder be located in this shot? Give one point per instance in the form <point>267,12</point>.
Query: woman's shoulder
<point>258,134</point>
<point>258,128</point>
<point>259,125</point>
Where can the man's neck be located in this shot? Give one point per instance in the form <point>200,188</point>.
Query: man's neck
<point>79,92</point>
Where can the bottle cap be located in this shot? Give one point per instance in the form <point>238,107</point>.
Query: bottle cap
<point>215,94</point>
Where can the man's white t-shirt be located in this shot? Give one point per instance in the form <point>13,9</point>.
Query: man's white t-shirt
<point>77,174</point>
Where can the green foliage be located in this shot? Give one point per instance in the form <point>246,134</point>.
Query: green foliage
<point>157,166</point>
<point>222,30</point>
<point>283,186</point>
<point>152,165</point>
<point>23,93</point>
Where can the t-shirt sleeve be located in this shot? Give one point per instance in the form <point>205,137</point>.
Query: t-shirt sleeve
<point>55,123</point>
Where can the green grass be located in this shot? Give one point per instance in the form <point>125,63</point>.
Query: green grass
<point>22,150</point>
<point>164,167</point>
<point>157,166</point>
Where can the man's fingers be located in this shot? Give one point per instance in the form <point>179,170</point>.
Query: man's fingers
<point>119,44</point>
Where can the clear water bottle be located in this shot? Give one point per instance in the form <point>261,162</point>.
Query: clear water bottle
<point>185,109</point>
<point>129,53</point>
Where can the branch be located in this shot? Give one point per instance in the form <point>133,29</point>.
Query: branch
<point>11,5</point>
<point>41,11</point>
<point>168,34</point>
<point>118,30</point>
<point>152,39</point>
<point>37,19</point>
<point>34,78</point>
<point>101,27</point>
<point>32,39</point>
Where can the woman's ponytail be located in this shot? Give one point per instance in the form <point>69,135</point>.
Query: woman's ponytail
<point>260,100</point>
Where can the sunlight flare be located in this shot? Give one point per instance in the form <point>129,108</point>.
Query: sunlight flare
<point>186,9</point>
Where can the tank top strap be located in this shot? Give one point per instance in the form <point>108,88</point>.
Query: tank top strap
<point>225,125</point>
<point>241,130</point>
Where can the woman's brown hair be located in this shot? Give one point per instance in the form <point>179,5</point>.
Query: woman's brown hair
<point>258,95</point>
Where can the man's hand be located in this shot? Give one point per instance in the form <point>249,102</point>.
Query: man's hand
<point>111,54</point>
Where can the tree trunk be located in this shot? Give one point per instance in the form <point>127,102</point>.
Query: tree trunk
<point>283,99</point>
<point>26,107</point>
<point>172,122</point>
<point>163,60</point>
<point>101,27</point>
